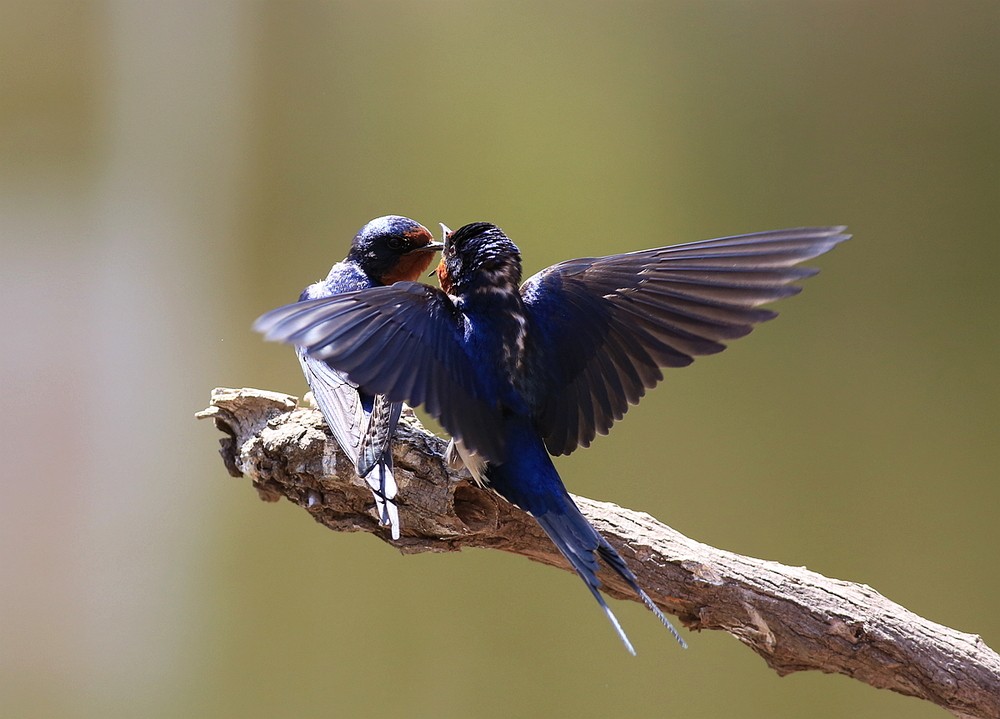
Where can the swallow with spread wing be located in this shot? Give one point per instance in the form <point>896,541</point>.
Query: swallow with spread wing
<point>515,374</point>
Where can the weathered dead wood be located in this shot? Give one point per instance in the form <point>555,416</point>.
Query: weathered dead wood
<point>794,618</point>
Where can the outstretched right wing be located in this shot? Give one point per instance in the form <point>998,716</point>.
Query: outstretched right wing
<point>604,326</point>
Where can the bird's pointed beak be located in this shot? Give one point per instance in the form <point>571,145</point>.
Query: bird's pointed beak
<point>439,245</point>
<point>445,234</point>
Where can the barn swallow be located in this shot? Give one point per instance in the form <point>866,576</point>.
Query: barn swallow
<point>386,250</point>
<point>515,374</point>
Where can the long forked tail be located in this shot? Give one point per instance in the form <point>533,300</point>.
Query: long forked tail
<point>578,541</point>
<point>529,480</point>
<point>383,486</point>
<point>375,459</point>
<point>616,562</point>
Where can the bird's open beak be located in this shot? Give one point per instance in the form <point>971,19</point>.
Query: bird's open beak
<point>445,234</point>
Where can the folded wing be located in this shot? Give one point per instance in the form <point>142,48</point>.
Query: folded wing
<point>362,426</point>
<point>338,400</point>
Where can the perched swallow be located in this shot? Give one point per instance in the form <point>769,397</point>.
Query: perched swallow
<point>386,250</point>
<point>517,373</point>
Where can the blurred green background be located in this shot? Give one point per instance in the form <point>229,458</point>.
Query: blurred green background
<point>170,170</point>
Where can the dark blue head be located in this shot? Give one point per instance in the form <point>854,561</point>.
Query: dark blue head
<point>479,255</point>
<point>393,248</point>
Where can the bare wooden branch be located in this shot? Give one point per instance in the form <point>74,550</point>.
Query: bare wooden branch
<point>794,618</point>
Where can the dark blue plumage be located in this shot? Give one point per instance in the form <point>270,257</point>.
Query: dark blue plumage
<point>385,250</point>
<point>517,373</point>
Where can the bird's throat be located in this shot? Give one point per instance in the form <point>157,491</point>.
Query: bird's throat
<point>409,267</point>
<point>444,279</point>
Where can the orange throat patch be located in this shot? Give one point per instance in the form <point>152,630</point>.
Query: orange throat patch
<point>443,277</point>
<point>409,267</point>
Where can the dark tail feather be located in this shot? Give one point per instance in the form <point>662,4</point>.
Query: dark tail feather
<point>615,561</point>
<point>376,436</point>
<point>578,541</point>
<point>560,529</point>
<point>375,460</point>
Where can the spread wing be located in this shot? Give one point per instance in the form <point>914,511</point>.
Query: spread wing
<point>403,341</point>
<point>603,327</point>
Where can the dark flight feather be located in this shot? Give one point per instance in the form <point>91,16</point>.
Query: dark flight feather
<point>614,321</point>
<point>402,341</point>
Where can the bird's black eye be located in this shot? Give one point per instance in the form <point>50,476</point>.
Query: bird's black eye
<point>395,243</point>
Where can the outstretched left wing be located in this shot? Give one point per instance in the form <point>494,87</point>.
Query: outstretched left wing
<point>403,341</point>
<point>603,327</point>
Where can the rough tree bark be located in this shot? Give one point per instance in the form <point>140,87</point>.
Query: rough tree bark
<point>794,618</point>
